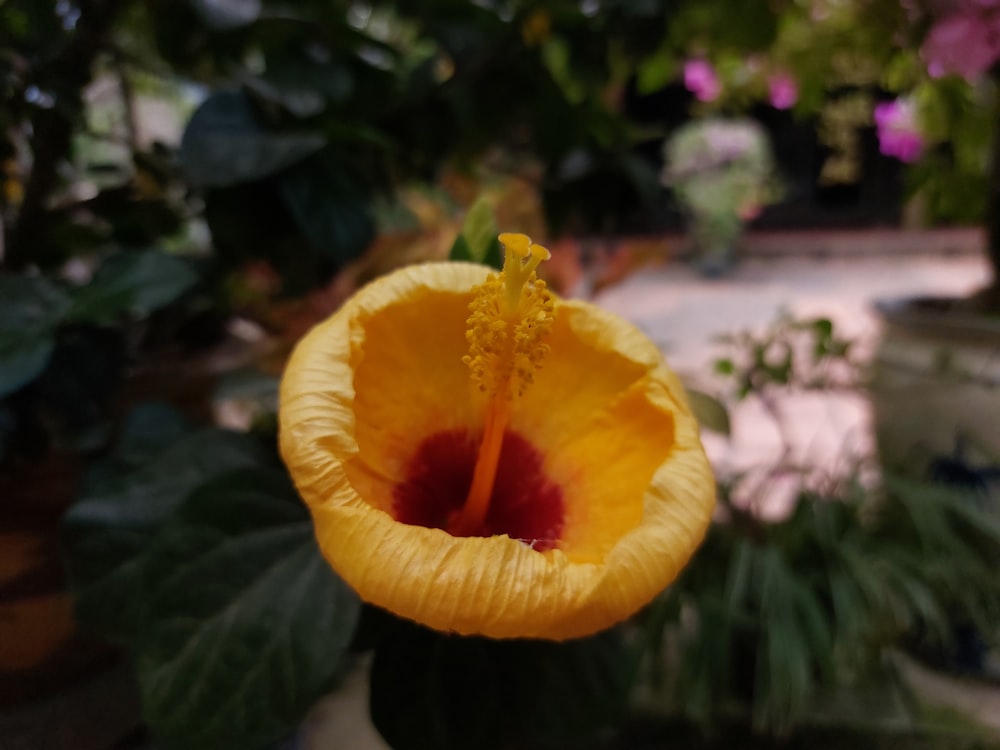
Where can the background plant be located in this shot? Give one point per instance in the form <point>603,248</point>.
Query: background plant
<point>302,125</point>
<point>846,58</point>
<point>774,616</point>
<point>722,172</point>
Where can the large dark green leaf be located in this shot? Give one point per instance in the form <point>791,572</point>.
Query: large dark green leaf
<point>226,144</point>
<point>296,100</point>
<point>331,209</point>
<point>74,397</point>
<point>123,505</point>
<point>146,432</point>
<point>247,626</point>
<point>302,85</point>
<point>228,14</point>
<point>30,310</point>
<point>133,282</point>
<point>435,692</point>
<point>22,358</point>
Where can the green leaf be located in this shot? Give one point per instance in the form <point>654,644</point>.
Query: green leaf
<point>75,396</point>
<point>724,367</point>
<point>330,207</point>
<point>133,282</point>
<point>297,101</point>
<point>655,72</point>
<point>225,144</point>
<point>478,241</point>
<point>145,432</point>
<point>756,29</point>
<point>711,413</point>
<point>556,56</point>
<point>228,14</point>
<point>823,327</point>
<point>22,358</point>
<point>460,250</point>
<point>31,308</point>
<point>294,81</point>
<point>111,525</point>
<point>901,71</point>
<point>436,692</point>
<point>248,626</point>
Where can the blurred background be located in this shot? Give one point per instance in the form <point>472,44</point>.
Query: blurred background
<point>798,200</point>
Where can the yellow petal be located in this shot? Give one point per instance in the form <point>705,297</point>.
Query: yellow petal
<point>353,408</point>
<point>603,437</point>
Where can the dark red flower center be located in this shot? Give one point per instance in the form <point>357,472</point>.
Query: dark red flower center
<point>524,504</point>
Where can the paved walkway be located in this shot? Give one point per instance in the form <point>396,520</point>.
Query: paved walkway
<point>683,313</point>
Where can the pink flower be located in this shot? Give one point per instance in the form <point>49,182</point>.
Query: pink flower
<point>783,91</point>
<point>898,134</point>
<point>965,41</point>
<point>700,79</point>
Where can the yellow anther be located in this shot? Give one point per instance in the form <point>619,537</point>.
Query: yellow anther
<point>510,317</point>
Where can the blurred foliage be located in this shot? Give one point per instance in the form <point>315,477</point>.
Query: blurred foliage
<point>191,549</point>
<point>64,346</point>
<point>844,58</point>
<point>676,734</point>
<point>775,615</point>
<point>478,241</point>
<point>791,353</point>
<point>293,127</point>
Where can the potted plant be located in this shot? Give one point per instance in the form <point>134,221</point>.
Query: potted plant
<point>721,171</point>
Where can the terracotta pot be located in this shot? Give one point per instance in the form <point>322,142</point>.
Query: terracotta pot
<point>936,391</point>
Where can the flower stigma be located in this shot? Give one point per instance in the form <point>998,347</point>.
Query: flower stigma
<point>510,317</point>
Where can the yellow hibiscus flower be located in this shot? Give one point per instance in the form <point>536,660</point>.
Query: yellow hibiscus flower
<point>484,458</point>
